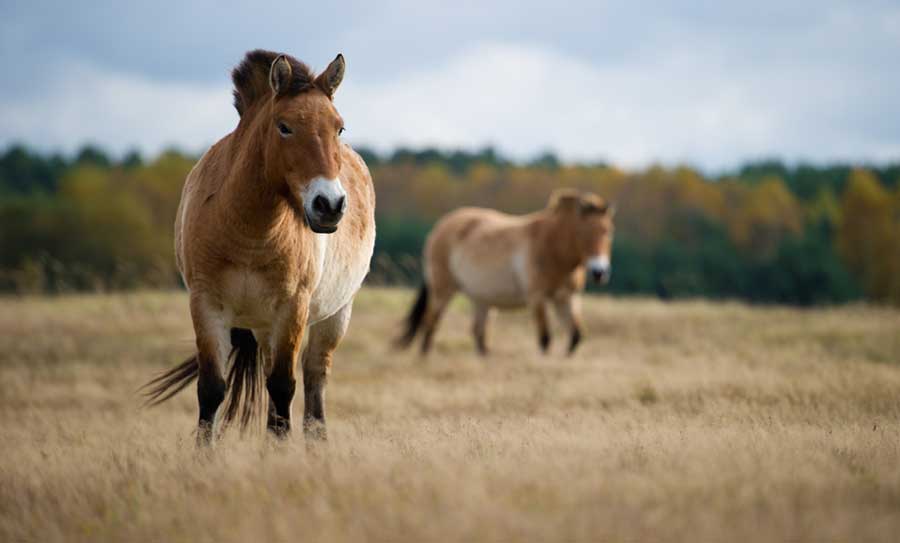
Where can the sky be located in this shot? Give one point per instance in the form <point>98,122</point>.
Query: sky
<point>711,84</point>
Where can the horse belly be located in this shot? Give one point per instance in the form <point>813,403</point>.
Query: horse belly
<point>332,293</point>
<point>340,276</point>
<point>494,281</point>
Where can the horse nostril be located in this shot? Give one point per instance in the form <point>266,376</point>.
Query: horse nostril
<point>320,205</point>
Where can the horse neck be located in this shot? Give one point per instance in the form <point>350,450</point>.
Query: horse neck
<point>563,246</point>
<point>253,204</point>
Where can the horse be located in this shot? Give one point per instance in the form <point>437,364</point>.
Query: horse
<point>504,261</point>
<point>273,237</point>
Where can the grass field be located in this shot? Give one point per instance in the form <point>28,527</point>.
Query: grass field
<point>687,421</point>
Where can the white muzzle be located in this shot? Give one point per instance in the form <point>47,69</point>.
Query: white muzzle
<point>599,268</point>
<point>324,203</point>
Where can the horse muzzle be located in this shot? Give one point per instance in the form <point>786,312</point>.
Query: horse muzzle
<point>600,269</point>
<point>324,203</point>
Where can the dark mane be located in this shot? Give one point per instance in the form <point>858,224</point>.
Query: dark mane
<point>251,78</point>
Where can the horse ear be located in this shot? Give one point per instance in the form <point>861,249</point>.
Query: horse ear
<point>280,74</point>
<point>331,78</point>
<point>591,203</point>
<point>564,200</point>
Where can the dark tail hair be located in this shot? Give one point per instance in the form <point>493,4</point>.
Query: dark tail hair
<point>245,379</point>
<point>245,395</point>
<point>169,383</point>
<point>414,319</point>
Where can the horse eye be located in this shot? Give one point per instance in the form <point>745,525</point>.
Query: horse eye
<point>341,130</point>
<point>284,129</point>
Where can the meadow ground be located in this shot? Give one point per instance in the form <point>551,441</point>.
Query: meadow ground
<point>680,421</point>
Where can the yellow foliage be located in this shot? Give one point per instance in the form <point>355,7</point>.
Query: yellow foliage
<point>761,216</point>
<point>825,208</point>
<point>869,235</point>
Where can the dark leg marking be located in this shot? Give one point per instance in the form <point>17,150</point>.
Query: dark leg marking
<point>480,345</point>
<point>576,339</point>
<point>426,340</point>
<point>314,409</point>
<point>210,395</point>
<point>281,393</point>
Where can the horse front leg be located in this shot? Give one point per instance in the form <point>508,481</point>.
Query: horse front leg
<point>324,338</point>
<point>213,344</point>
<point>539,311</point>
<point>568,311</point>
<point>479,327</point>
<point>281,381</point>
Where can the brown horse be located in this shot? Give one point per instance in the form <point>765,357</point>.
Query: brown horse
<point>505,261</point>
<point>274,235</point>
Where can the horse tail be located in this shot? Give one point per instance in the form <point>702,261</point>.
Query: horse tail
<point>245,379</point>
<point>245,396</point>
<point>170,382</point>
<point>414,319</point>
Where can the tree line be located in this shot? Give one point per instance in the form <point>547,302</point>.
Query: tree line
<point>766,232</point>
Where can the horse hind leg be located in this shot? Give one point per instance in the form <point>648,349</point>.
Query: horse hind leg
<point>324,337</point>
<point>479,327</point>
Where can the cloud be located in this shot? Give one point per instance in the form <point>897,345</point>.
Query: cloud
<point>679,107</point>
<point>700,98</point>
<point>117,111</point>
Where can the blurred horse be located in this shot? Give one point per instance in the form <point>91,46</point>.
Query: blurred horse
<point>274,235</point>
<point>506,261</point>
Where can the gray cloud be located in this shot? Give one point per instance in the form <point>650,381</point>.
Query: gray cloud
<point>631,82</point>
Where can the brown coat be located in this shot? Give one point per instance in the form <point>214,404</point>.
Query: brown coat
<point>273,237</point>
<point>506,261</point>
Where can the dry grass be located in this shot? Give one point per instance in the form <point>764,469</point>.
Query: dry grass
<point>684,421</point>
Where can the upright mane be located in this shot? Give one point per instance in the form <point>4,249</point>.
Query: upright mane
<point>251,78</point>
